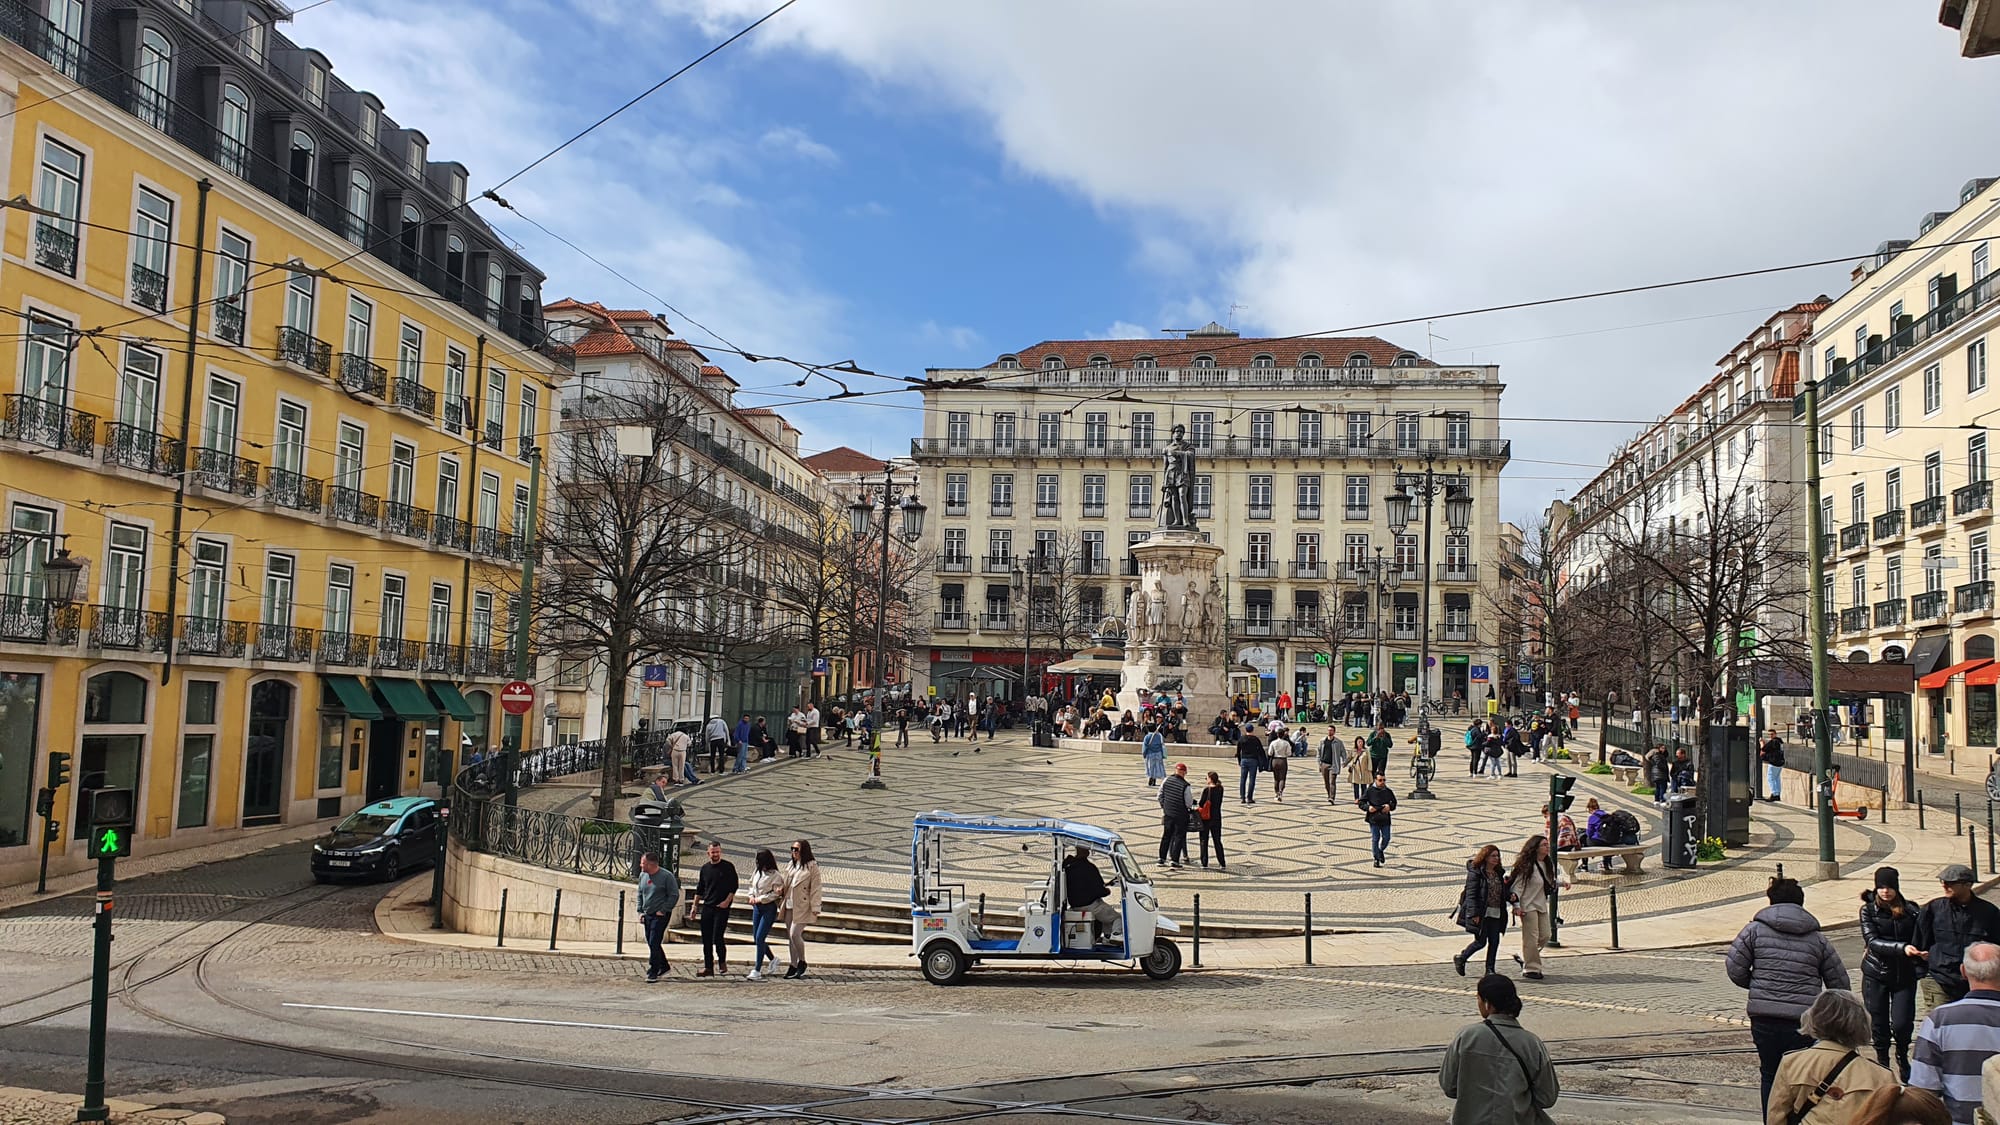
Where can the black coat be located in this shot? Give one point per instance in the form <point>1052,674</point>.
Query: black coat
<point>1473,900</point>
<point>1944,930</point>
<point>1884,935</point>
<point>1251,748</point>
<point>1380,795</point>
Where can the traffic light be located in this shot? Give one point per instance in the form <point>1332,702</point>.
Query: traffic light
<point>111,816</point>
<point>58,769</point>
<point>1559,787</point>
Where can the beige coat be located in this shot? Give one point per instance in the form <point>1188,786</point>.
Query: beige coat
<point>1800,1074</point>
<point>802,902</point>
<point>1358,772</point>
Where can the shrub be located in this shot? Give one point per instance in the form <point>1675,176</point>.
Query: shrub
<point>1598,768</point>
<point>1709,850</point>
<point>603,828</point>
<point>1642,790</point>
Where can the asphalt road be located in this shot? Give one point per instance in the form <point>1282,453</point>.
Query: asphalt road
<point>247,989</point>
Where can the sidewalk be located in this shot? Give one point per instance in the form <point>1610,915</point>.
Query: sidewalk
<point>20,1106</point>
<point>251,841</point>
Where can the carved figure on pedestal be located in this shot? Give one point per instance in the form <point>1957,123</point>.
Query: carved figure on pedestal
<point>1213,607</point>
<point>1204,616</point>
<point>1188,634</point>
<point>1156,616</point>
<point>1135,622</point>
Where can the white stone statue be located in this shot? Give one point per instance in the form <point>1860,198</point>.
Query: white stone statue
<point>1156,616</point>
<point>1188,634</point>
<point>1212,606</point>
<point>1204,617</point>
<point>1135,622</point>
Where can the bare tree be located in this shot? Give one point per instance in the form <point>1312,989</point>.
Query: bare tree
<point>815,583</point>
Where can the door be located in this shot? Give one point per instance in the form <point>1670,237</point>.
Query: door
<point>385,767</point>
<point>1896,738</point>
<point>1937,723</point>
<point>264,753</point>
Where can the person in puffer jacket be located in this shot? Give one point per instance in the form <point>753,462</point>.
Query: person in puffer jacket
<point>1888,972</point>
<point>1783,959</point>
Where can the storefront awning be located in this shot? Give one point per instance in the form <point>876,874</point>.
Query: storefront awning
<point>1088,665</point>
<point>353,695</point>
<point>1942,676</point>
<point>1925,654</point>
<point>453,702</point>
<point>406,699</point>
<point>1983,677</point>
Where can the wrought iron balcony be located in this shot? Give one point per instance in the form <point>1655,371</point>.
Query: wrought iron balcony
<point>1001,508</point>
<point>1354,513</point>
<point>489,660</point>
<point>1308,511</point>
<point>1973,597</point>
<point>457,412</point>
<point>229,321</point>
<point>129,447</point>
<point>359,375</point>
<point>398,655</point>
<point>1313,569</point>
<point>413,396</point>
<point>55,248</point>
<point>1889,613</point>
<point>351,505</point>
<point>1047,511</point>
<point>212,636</point>
<point>1854,537</point>
<point>119,627</point>
<point>1458,631</point>
<point>404,519</point>
<point>344,650</point>
<point>999,623</point>
<point>1854,619</point>
<point>1402,631</point>
<point>287,644</point>
<point>218,471</point>
<point>1253,626</point>
<point>1975,499</point>
<point>954,508</point>
<point>1129,566</point>
<point>1827,540</point>
<point>451,532</point>
<point>1458,572</point>
<point>1260,568</point>
<point>493,436</point>
<point>1093,564</point>
<point>302,348</point>
<point>1927,606</point>
<point>149,288</point>
<point>443,659</point>
<point>1093,511</point>
<point>996,564</point>
<point>524,445</point>
<point>948,563</point>
<point>1889,525</point>
<point>953,621</point>
<point>38,621</point>
<point>295,491</point>
<point>51,425</point>
<point>1257,512</point>
<point>496,544</point>
<point>1928,512</point>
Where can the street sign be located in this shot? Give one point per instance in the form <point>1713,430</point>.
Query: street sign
<point>1481,673</point>
<point>1526,676</point>
<point>822,666</point>
<point>656,675</point>
<point>517,698</point>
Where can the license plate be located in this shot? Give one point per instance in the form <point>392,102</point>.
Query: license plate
<point>339,863</point>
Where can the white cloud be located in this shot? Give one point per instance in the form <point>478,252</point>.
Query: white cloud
<point>957,337</point>
<point>794,141</point>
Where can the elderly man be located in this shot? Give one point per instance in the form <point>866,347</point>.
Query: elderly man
<point>1177,799</point>
<point>1957,1039</point>
<point>659,893</point>
<point>1946,927</point>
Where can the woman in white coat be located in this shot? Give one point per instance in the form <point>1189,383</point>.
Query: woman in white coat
<point>801,905</point>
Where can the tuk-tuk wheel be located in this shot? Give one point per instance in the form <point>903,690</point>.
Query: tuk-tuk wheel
<point>944,964</point>
<point>1163,962</point>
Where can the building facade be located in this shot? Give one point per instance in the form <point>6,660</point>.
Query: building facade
<point>849,475</point>
<point>1044,466</point>
<point>276,384</point>
<point>749,460</point>
<point>1907,508</point>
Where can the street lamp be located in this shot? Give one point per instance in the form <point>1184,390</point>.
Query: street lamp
<point>1458,516</point>
<point>1385,576</point>
<point>861,513</point>
<point>1022,580</point>
<point>60,576</point>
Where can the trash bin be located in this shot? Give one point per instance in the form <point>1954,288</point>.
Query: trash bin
<point>656,828</point>
<point>1683,833</point>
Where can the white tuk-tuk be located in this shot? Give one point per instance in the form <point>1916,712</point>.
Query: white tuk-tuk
<point>948,928</point>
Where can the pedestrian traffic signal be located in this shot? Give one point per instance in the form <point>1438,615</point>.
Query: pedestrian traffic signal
<point>58,769</point>
<point>1559,796</point>
<point>111,815</point>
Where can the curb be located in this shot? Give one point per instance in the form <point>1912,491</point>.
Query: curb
<point>64,1106</point>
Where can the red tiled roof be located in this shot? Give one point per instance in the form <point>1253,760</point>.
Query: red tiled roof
<point>842,459</point>
<point>1228,351</point>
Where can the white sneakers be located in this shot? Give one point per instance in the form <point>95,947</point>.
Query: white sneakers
<point>757,971</point>
<point>753,975</point>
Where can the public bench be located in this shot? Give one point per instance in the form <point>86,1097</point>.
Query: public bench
<point>1634,856</point>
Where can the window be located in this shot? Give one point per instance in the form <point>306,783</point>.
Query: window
<point>1142,430</point>
<point>958,429</point>
<point>1263,429</point>
<point>1406,554</point>
<point>207,584</point>
<point>447,490</point>
<point>1933,389</point>
<point>1975,458</point>
<point>1978,557</point>
<point>1048,431</point>
<point>1857,504</point>
<point>409,358</point>
<point>482,619</point>
<point>1000,544</point>
<point>1892,489</point>
<point>530,407</point>
<point>348,440</point>
<point>61,191</point>
<point>219,418</point>
<point>1892,410</point>
<point>488,515</point>
<point>1201,429</point>
<point>1857,428</point>
<point>1975,366</point>
<point>1308,490</point>
<point>65,34</point>
<point>316,86</point>
<point>1090,551</point>
<point>455,187</point>
<point>1145,362</point>
<point>339,617</point>
<point>1933,565</point>
<point>125,571</point>
<point>1257,549</point>
<point>1052,363</point>
<point>1264,362</point>
<point>955,487</point>
<point>1260,495</point>
<point>198,734</point>
<point>1305,549</point>
<point>439,622</point>
<point>1860,340</point>
<point>156,58</point>
<point>954,543</point>
<point>1093,494</point>
<point>1357,497</point>
<point>1354,548</point>
<point>1204,361</point>
<point>152,234</point>
<point>572,673</point>
<point>1139,491</point>
<point>1096,431</point>
<point>1825,442</point>
<point>252,43</point>
<point>232,276</point>
<point>360,337</point>
<point>456,413</point>
<point>1408,427</point>
<point>1892,579</point>
<point>1360,424</point>
<point>392,608</point>
<point>371,124</point>
<point>1933,475</point>
<point>232,149</point>
<point>1308,431</point>
<point>1309,360</point>
<point>303,169</point>
<point>496,288</point>
<point>139,397</point>
<point>1003,430</point>
<point>300,290</point>
<point>279,572</point>
<point>1204,494</point>
<point>402,472</point>
<point>34,528</point>
<point>360,206</point>
<point>1047,488</point>
<point>1979,262</point>
<point>1458,432</point>
<point>1000,491</point>
<point>417,159</point>
<point>496,404</point>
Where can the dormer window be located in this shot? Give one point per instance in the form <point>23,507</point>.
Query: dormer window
<point>1264,361</point>
<point>316,86</point>
<point>252,42</point>
<point>457,188</point>
<point>1407,359</point>
<point>233,151</point>
<point>360,206</point>
<point>1009,363</point>
<point>1100,361</point>
<point>1145,363</point>
<point>1308,361</point>
<point>1204,361</point>
<point>1360,359</point>
<point>371,123</point>
<point>1052,363</point>
<point>156,58</point>
<point>417,157</point>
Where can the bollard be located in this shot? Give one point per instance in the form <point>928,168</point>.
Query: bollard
<point>1991,865</point>
<point>1885,802</point>
<point>555,915</point>
<point>1614,917</point>
<point>1781,871</point>
<point>500,932</point>
<point>1972,852</point>
<point>1309,927</point>
<point>1957,815</point>
<point>1197,931</point>
<point>618,942</point>
<point>1920,810</point>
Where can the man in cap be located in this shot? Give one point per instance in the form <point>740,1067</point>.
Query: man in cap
<point>1946,926</point>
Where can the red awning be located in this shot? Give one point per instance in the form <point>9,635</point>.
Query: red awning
<point>1939,678</point>
<point>1987,676</point>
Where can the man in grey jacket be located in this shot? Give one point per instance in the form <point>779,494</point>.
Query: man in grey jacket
<point>1497,1071</point>
<point>659,893</point>
<point>1783,959</point>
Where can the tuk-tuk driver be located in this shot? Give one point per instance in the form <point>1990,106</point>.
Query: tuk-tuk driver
<point>1087,892</point>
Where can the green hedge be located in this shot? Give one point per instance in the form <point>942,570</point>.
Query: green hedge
<point>1598,768</point>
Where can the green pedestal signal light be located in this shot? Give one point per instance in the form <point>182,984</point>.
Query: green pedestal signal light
<point>1559,795</point>
<point>111,820</point>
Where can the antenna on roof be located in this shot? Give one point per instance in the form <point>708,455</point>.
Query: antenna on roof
<point>1430,350</point>
<point>1233,306</point>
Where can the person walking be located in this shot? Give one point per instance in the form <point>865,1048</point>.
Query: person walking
<point>801,904</point>
<point>1658,768</point>
<point>717,734</point>
<point>1888,972</point>
<point>714,895</point>
<point>767,886</point>
<point>1154,751</point>
<point>1957,1039</point>
<point>659,894</point>
<point>1332,759</point>
<point>1249,763</point>
<point>1358,776</point>
<point>1784,960</point>
<point>1378,807</point>
<point>1497,1072</point>
<point>1771,755</point>
<point>1946,926</point>
<point>795,732</point>
<point>1528,886</point>
<point>1379,745</point>
<point>1482,907</point>
<point>1175,801</point>
<point>1278,752</point>
<point>744,734</point>
<point>1208,819</point>
<point>813,732</point>
<point>1475,746</point>
<point>1826,1083</point>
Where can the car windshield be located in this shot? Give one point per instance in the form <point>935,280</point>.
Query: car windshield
<point>367,824</point>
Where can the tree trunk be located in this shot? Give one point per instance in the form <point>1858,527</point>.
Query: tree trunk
<point>616,672</point>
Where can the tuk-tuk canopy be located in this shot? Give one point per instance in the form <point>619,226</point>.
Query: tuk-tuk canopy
<point>1018,826</point>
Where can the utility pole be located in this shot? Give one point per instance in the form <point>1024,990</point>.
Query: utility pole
<point>1829,868</point>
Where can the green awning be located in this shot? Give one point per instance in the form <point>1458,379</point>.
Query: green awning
<point>406,699</point>
<point>353,695</point>
<point>453,702</point>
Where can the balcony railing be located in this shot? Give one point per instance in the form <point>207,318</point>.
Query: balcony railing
<point>1260,568</point>
<point>1093,564</point>
<point>1940,319</point>
<point>1313,569</point>
<point>1459,631</point>
<point>1047,511</point>
<point>1000,508</point>
<point>954,509</point>
<point>212,636</point>
<point>1308,511</point>
<point>1854,619</point>
<point>345,650</point>
<point>999,623</point>
<point>218,471</point>
<point>996,564</point>
<point>229,321</point>
<point>351,505</point>
<point>489,660</point>
<point>399,518</point>
<point>495,543</point>
<point>296,491</point>
<point>953,622</point>
<point>55,248</point>
<point>1219,447</point>
<point>1973,597</point>
<point>1257,512</point>
<point>1827,540</point>
<point>304,349</point>
<point>288,644</point>
<point>1973,499</point>
<point>37,621</point>
<point>1352,513</point>
<point>1889,525</point>
<point>1458,572</point>
<point>413,396</point>
<point>493,436</point>
<point>398,655</point>
<point>1927,606</point>
<point>149,288</point>
<point>457,412</point>
<point>451,532</point>
<point>49,424</point>
<point>440,658</point>
<point>1093,511</point>
<point>954,564</point>
<point>359,375</point>
<point>524,444</point>
<point>136,630</point>
<point>1927,512</point>
<point>1129,566</point>
<point>129,447</point>
<point>1854,537</point>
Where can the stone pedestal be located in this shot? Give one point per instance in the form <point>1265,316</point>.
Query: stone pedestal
<point>1175,627</point>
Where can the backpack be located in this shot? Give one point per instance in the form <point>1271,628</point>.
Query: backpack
<point>1621,827</point>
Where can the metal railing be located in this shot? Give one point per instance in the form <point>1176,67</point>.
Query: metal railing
<point>229,321</point>
<point>953,622</point>
<point>149,288</point>
<point>1854,619</point>
<point>289,644</point>
<point>55,248</point>
<point>301,347</point>
<point>295,491</point>
<point>49,424</point>
<point>399,518</point>
<point>360,375</point>
<point>1889,525</point>
<point>129,447</point>
<point>1926,512</point>
<point>1854,537</point>
<point>954,564</point>
<point>1974,498</point>
<point>1313,569</point>
<point>351,505</point>
<point>1973,597</point>
<point>1385,448</point>
<point>37,621</point>
<point>413,396</point>
<point>218,471</point>
<point>212,636</point>
<point>1888,613</point>
<point>1927,606</point>
<point>120,627</point>
<point>345,650</point>
<point>450,531</point>
<point>482,822</point>
<point>1461,572</point>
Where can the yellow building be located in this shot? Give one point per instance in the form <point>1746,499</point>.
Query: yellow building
<point>277,385</point>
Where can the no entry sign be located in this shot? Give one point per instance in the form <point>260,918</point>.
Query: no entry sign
<point>517,698</point>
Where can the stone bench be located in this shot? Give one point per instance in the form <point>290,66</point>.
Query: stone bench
<point>1634,856</point>
<point>1625,775</point>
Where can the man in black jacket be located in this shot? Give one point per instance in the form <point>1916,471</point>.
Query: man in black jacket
<point>1084,889</point>
<point>714,894</point>
<point>1176,798</point>
<point>1772,756</point>
<point>1378,801</point>
<point>1945,927</point>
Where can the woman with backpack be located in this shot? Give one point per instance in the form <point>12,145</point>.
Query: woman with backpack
<point>1482,907</point>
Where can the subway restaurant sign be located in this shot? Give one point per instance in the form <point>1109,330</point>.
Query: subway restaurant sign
<point>1353,671</point>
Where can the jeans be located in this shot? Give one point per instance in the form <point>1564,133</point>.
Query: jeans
<point>1173,837</point>
<point>691,778</point>
<point>902,734</point>
<point>714,937</point>
<point>1489,933</point>
<point>656,933</point>
<point>761,916</point>
<point>742,757</point>
<point>1211,829</point>
<point>1493,765</point>
<point>1378,841</point>
<point>716,749</point>
<point>1775,1038</point>
<point>1892,1012</point>
<point>1246,780</point>
<point>1774,781</point>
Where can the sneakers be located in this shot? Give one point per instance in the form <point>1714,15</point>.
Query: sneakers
<point>753,975</point>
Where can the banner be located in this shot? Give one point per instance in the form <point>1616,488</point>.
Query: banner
<point>1354,671</point>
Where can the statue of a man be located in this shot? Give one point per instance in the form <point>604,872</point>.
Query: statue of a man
<point>1156,617</point>
<point>1177,495</point>
<point>1135,621</point>
<point>1188,615</point>
<point>1204,616</point>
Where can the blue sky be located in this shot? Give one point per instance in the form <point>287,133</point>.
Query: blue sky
<point>914,185</point>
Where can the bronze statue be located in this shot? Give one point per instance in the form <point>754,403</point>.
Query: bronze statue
<point>1177,495</point>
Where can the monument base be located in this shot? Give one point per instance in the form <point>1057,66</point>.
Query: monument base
<point>1173,635</point>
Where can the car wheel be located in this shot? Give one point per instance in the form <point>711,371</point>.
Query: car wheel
<point>392,869</point>
<point>1164,961</point>
<point>943,963</point>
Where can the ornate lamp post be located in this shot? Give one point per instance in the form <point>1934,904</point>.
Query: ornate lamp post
<point>1021,579</point>
<point>1383,575</point>
<point>861,513</point>
<point>1458,516</point>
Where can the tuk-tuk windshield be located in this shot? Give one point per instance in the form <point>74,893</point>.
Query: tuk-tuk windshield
<point>1128,868</point>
